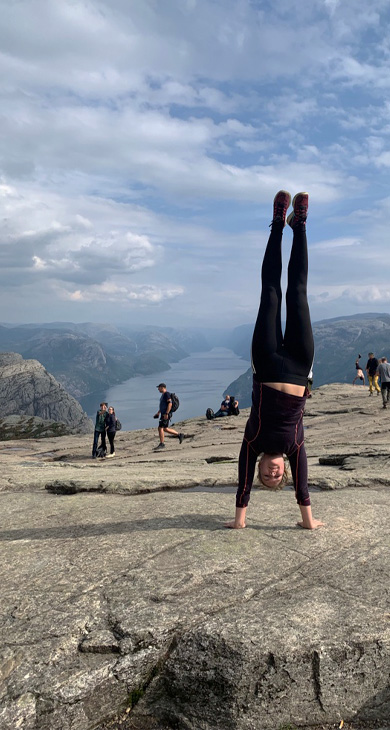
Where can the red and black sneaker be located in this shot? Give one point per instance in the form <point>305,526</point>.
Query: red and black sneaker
<point>282,201</point>
<point>299,214</point>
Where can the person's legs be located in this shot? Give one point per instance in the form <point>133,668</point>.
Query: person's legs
<point>111,436</point>
<point>298,337</point>
<point>267,335</point>
<point>95,443</point>
<point>377,388</point>
<point>172,431</point>
<point>163,428</point>
<point>370,384</point>
<point>104,445</point>
<point>384,391</point>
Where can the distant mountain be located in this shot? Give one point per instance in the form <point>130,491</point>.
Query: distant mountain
<point>338,342</point>
<point>89,357</point>
<point>27,389</point>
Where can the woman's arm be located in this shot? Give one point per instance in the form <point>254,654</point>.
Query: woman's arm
<point>298,464</point>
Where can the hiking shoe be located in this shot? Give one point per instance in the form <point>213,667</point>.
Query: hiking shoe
<point>160,446</point>
<point>299,214</point>
<point>181,438</point>
<point>282,201</point>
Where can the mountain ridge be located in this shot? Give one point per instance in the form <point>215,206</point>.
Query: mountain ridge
<point>337,343</point>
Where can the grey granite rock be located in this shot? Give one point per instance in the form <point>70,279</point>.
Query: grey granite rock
<point>126,591</point>
<point>27,389</point>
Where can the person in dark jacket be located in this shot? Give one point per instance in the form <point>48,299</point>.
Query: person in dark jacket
<point>372,372</point>
<point>281,365</point>
<point>111,430</point>
<point>100,430</point>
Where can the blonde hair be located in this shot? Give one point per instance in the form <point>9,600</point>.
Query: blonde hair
<point>284,480</point>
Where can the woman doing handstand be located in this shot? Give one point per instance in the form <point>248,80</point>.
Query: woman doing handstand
<point>280,365</point>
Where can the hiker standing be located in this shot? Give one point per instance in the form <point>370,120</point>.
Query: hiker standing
<point>111,430</point>
<point>100,430</point>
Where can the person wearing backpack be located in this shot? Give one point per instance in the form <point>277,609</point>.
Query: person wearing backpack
<point>111,430</point>
<point>165,413</point>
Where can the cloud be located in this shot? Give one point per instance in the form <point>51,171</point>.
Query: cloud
<point>332,246</point>
<point>359,295</point>
<point>108,292</point>
<point>143,146</point>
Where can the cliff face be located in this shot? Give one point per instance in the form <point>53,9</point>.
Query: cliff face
<point>27,389</point>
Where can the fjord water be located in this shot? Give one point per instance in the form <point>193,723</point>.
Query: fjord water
<point>199,380</point>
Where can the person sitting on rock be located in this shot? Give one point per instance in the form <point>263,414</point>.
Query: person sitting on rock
<point>280,364</point>
<point>100,430</point>
<point>224,408</point>
<point>233,406</point>
<point>111,430</point>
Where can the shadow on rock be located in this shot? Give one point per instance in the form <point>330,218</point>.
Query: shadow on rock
<point>187,521</point>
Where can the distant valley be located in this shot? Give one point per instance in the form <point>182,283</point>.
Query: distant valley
<point>90,357</point>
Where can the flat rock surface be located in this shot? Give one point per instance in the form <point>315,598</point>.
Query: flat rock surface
<point>120,586</point>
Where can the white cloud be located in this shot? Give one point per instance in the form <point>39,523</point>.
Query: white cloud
<point>331,246</point>
<point>108,292</point>
<point>144,142</point>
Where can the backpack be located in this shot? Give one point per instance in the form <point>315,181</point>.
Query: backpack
<point>209,414</point>
<point>175,402</point>
<point>118,425</point>
<point>101,452</point>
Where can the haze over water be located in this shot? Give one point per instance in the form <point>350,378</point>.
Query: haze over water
<point>199,380</point>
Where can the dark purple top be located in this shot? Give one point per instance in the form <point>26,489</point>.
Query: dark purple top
<point>275,426</point>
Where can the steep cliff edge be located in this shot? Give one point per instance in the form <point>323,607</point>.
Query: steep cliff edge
<point>27,389</point>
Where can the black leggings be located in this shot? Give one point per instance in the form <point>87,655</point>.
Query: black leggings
<point>111,436</point>
<point>276,358</point>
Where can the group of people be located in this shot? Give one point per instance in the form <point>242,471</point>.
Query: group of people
<point>228,407</point>
<point>376,371</point>
<point>281,367</point>
<point>105,423</point>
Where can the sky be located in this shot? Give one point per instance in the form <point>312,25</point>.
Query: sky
<point>142,144</point>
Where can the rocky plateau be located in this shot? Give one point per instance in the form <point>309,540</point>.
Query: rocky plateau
<point>125,601</point>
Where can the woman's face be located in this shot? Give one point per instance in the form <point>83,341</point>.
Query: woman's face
<point>110,410</point>
<point>271,470</point>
